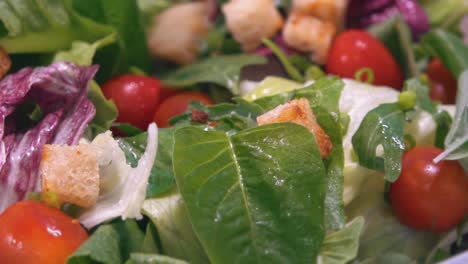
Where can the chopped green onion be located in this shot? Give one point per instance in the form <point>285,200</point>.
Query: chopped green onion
<point>314,72</point>
<point>367,72</point>
<point>137,71</point>
<point>288,66</point>
<point>407,100</point>
<point>410,142</point>
<point>51,199</point>
<point>34,196</point>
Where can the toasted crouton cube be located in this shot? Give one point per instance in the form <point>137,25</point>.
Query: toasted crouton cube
<point>177,32</point>
<point>328,10</point>
<point>309,34</point>
<point>298,111</point>
<point>71,172</point>
<point>251,21</point>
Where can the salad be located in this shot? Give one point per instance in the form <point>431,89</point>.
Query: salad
<point>233,131</point>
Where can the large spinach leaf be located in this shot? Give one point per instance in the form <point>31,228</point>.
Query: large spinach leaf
<point>253,197</point>
<point>324,96</point>
<point>222,70</point>
<point>381,130</point>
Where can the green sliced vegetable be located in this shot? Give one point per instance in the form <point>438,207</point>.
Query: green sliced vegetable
<point>254,197</point>
<point>162,176</point>
<point>382,126</point>
<point>110,244</point>
<point>270,86</point>
<point>139,258</point>
<point>396,35</point>
<point>449,48</point>
<point>222,70</point>
<point>342,246</point>
<point>178,240</point>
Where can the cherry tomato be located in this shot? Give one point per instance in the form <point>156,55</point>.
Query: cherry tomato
<point>354,50</point>
<point>32,232</point>
<point>176,105</point>
<point>429,196</point>
<point>135,96</point>
<point>443,84</point>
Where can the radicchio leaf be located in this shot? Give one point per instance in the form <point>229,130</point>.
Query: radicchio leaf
<point>60,91</point>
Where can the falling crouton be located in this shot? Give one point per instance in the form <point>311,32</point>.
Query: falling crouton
<point>332,11</point>
<point>251,21</point>
<point>176,33</point>
<point>71,173</point>
<point>298,111</point>
<point>309,34</point>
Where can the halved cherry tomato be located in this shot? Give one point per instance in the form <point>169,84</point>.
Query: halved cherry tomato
<point>176,105</point>
<point>32,232</point>
<point>135,96</point>
<point>429,196</point>
<point>354,50</point>
<point>443,84</point>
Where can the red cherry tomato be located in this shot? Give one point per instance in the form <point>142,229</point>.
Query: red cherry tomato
<point>32,232</point>
<point>429,196</point>
<point>135,96</point>
<point>353,50</point>
<point>443,84</point>
<point>176,105</point>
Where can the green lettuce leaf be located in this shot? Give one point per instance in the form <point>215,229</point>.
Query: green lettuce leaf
<point>110,244</point>
<point>178,240</point>
<point>381,127</point>
<point>47,26</point>
<point>139,258</point>
<point>162,176</point>
<point>449,48</point>
<point>222,70</point>
<point>342,246</point>
<point>253,197</point>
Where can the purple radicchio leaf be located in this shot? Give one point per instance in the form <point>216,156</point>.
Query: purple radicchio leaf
<point>60,90</point>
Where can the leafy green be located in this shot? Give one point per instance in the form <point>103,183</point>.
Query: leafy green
<point>139,258</point>
<point>106,111</point>
<point>222,70</point>
<point>162,176</point>
<point>270,86</point>
<point>253,197</point>
<point>381,127</point>
<point>449,48</point>
<point>178,240</point>
<point>110,244</point>
<point>445,13</point>
<point>456,142</point>
<point>324,96</point>
<point>48,26</point>
<point>396,35</point>
<point>342,246</point>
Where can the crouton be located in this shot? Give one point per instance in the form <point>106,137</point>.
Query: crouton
<point>327,10</point>
<point>309,34</point>
<point>177,32</point>
<point>5,62</point>
<point>251,21</point>
<point>70,172</point>
<point>298,111</point>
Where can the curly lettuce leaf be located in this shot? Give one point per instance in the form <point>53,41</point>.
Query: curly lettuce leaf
<point>255,196</point>
<point>59,91</point>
